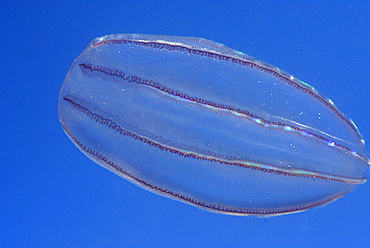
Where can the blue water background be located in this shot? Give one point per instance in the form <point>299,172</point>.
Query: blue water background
<point>54,196</point>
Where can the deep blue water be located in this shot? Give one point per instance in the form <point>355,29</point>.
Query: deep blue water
<point>54,196</point>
